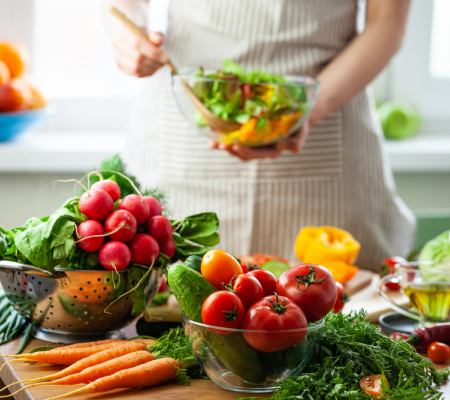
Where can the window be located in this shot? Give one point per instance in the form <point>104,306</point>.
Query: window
<point>420,72</point>
<point>72,61</point>
<point>440,35</point>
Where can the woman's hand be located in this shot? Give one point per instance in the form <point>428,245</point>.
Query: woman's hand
<point>136,56</point>
<point>293,144</point>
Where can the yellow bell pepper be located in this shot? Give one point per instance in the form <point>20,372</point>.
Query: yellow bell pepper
<point>330,247</point>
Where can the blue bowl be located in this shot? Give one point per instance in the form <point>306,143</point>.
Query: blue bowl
<point>13,123</point>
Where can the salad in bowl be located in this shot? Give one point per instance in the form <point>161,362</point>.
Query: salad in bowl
<point>263,108</point>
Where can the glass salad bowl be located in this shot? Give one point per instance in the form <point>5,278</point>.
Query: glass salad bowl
<point>232,363</point>
<point>263,110</point>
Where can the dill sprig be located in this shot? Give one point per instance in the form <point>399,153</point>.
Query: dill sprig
<point>175,344</point>
<point>352,348</point>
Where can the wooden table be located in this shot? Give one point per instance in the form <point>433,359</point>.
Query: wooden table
<point>198,390</point>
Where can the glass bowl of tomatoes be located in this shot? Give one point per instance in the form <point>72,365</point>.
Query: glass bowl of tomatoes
<point>252,360</point>
<point>258,108</point>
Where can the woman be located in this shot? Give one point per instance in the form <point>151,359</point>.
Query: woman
<point>339,176</point>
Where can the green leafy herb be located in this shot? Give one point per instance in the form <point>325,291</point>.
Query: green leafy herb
<point>352,348</point>
<point>38,349</point>
<point>175,344</point>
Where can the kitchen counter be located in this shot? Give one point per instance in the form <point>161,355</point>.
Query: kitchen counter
<point>80,151</point>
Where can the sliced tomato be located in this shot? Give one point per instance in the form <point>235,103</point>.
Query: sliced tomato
<point>373,385</point>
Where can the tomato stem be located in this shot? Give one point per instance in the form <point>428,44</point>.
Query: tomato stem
<point>252,267</point>
<point>231,315</point>
<point>277,306</point>
<point>229,287</point>
<point>307,279</point>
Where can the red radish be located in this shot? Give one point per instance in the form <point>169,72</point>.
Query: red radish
<point>160,228</point>
<point>125,221</point>
<point>96,204</point>
<point>137,206</point>
<point>169,248</point>
<point>90,228</point>
<point>163,285</point>
<point>110,187</point>
<point>144,249</point>
<point>114,255</point>
<point>155,207</point>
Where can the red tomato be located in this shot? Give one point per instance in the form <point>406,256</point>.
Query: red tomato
<point>311,287</point>
<point>219,267</point>
<point>388,267</point>
<point>244,267</point>
<point>248,288</point>
<point>274,313</point>
<point>224,309</point>
<point>266,279</point>
<point>438,352</point>
<point>341,298</point>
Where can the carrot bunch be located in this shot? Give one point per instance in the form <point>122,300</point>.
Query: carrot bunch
<point>103,366</point>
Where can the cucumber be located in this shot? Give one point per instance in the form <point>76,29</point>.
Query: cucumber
<point>190,288</point>
<point>195,263</point>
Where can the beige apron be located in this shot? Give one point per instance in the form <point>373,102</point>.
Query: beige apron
<point>341,177</point>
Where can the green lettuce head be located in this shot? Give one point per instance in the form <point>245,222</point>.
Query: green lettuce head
<point>438,251</point>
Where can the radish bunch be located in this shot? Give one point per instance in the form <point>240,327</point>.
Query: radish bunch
<point>116,235</point>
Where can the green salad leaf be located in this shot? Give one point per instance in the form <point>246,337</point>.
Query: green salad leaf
<point>46,242</point>
<point>7,246</point>
<point>195,235</point>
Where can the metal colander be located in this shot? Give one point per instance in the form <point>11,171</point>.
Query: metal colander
<point>72,303</point>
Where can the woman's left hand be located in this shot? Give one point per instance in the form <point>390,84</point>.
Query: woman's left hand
<point>294,144</point>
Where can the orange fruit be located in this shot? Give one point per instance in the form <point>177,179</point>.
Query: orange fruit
<point>16,57</point>
<point>15,95</point>
<point>5,76</point>
<point>38,100</point>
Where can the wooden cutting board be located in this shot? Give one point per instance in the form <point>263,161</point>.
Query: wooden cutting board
<point>361,280</point>
<point>368,299</point>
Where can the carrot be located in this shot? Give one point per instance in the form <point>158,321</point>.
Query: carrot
<point>92,360</point>
<point>99,371</point>
<point>61,356</point>
<point>93,344</point>
<point>149,374</point>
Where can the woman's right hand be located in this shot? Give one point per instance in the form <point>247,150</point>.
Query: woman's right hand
<point>136,56</point>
